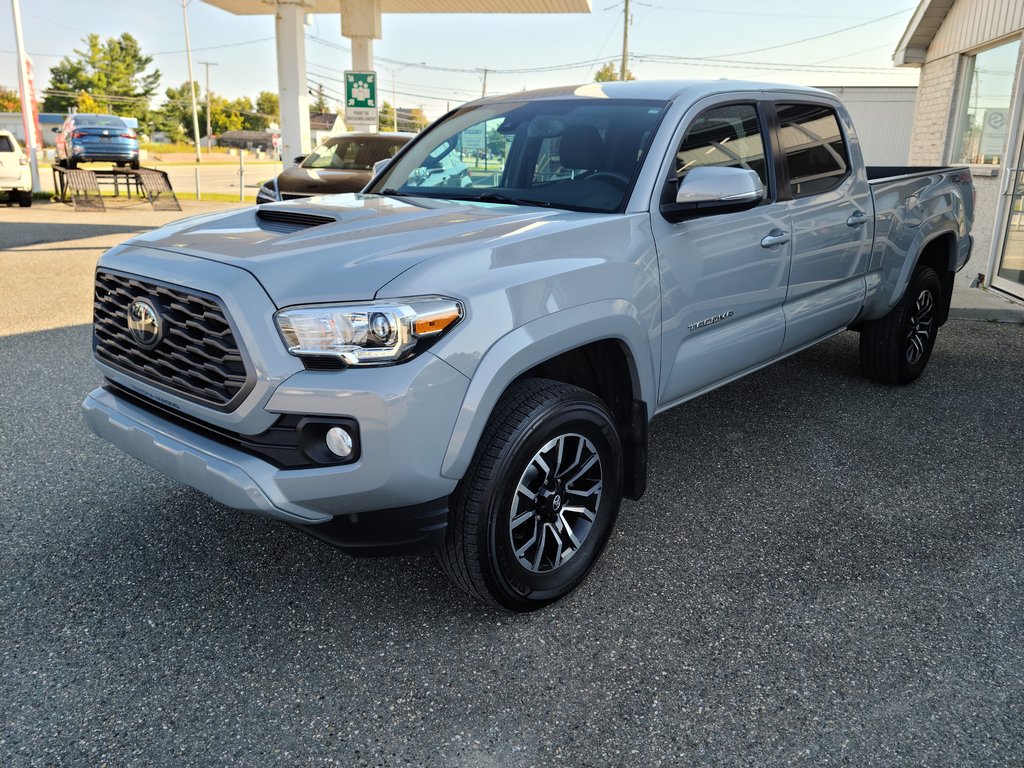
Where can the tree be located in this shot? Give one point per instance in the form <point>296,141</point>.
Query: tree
<point>386,117</point>
<point>9,100</point>
<point>269,106</point>
<point>319,105</point>
<point>174,118</point>
<point>415,120</point>
<point>609,73</point>
<point>113,73</point>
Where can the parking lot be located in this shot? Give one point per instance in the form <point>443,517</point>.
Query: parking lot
<point>824,571</point>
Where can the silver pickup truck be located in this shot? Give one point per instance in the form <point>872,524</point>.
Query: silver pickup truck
<point>466,356</point>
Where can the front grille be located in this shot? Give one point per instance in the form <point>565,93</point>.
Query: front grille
<point>196,356</point>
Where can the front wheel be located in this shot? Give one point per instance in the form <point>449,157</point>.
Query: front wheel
<point>540,498</point>
<point>896,348</point>
<point>25,199</point>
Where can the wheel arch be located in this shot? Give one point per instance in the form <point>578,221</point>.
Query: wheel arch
<point>599,346</point>
<point>936,248</point>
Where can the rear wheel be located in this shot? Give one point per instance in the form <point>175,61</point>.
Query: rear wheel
<point>540,498</point>
<point>25,199</point>
<point>896,348</point>
<point>134,165</point>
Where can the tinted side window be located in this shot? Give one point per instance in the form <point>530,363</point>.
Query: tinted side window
<point>728,136</point>
<point>5,144</point>
<point>813,147</point>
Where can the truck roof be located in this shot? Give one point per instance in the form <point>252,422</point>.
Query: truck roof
<point>657,90</point>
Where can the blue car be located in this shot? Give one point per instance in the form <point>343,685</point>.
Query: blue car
<point>103,138</point>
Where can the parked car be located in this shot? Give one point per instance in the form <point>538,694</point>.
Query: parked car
<point>341,164</point>
<point>15,173</point>
<point>472,369</point>
<point>96,138</point>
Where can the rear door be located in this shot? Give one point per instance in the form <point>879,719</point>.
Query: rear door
<point>723,276</point>
<point>825,187</point>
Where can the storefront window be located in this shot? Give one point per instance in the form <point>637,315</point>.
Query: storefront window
<point>985,112</point>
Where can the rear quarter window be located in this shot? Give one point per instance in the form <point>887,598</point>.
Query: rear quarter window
<point>6,145</point>
<point>813,148</point>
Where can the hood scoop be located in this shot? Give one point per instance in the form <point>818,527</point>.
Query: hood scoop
<point>284,222</point>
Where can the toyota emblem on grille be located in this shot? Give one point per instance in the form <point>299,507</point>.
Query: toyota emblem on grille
<point>144,323</point>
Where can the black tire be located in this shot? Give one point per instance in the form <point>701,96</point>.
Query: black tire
<point>480,553</point>
<point>25,199</point>
<point>134,165</point>
<point>72,163</point>
<point>896,348</point>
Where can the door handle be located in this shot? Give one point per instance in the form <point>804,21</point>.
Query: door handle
<point>857,218</point>
<point>775,237</point>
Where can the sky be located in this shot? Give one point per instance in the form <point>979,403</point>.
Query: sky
<point>821,42</point>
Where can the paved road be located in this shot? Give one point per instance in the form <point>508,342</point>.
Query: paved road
<point>823,572</point>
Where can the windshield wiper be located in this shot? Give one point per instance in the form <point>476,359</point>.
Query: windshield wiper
<point>392,192</point>
<point>498,197</point>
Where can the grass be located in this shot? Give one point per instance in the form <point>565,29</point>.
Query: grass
<point>215,197</point>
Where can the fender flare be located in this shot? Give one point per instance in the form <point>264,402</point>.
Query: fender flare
<point>529,345</point>
<point>921,240</point>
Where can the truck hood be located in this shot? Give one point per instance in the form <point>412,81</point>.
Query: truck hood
<point>347,247</point>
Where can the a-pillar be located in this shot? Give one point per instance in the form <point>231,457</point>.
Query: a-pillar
<point>291,78</point>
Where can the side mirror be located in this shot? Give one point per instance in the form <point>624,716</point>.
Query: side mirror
<point>55,129</point>
<point>380,165</point>
<point>710,190</point>
<point>299,158</point>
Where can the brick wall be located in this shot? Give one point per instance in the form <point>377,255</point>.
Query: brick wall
<point>934,112</point>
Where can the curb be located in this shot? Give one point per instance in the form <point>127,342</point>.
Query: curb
<point>987,315</point>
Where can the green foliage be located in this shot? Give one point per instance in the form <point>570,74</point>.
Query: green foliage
<point>269,105</point>
<point>9,100</point>
<point>609,73</point>
<point>175,117</point>
<point>386,117</point>
<point>319,104</point>
<point>113,73</point>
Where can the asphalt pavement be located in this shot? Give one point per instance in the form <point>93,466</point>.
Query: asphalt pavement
<point>824,571</point>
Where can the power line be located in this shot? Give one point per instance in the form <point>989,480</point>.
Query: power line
<point>809,39</point>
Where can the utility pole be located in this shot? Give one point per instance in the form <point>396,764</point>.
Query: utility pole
<point>209,146</point>
<point>191,81</point>
<point>484,93</point>
<point>625,42</point>
<point>27,109</point>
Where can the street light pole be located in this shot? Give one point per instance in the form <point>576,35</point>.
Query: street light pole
<point>208,64</point>
<point>191,82</point>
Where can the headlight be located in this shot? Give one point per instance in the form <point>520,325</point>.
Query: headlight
<point>268,192</point>
<point>368,333</point>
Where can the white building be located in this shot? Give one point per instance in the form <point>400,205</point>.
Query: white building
<point>969,111</point>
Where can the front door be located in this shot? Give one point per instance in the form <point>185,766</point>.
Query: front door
<point>724,276</point>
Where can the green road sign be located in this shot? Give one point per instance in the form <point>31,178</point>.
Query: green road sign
<point>361,98</point>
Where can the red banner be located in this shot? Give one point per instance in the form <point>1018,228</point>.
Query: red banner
<point>34,106</point>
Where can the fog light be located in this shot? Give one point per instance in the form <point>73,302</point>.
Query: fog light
<point>339,442</point>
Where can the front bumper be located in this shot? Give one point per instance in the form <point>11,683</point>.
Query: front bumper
<point>405,415</point>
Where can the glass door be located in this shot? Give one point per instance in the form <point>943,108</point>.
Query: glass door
<point>1009,273</point>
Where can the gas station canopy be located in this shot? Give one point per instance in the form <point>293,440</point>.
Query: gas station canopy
<point>241,7</point>
<point>361,23</point>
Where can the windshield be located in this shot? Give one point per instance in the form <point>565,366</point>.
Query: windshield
<point>353,154</point>
<point>574,153</point>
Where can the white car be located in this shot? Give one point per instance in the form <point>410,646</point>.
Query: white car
<point>15,176</point>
